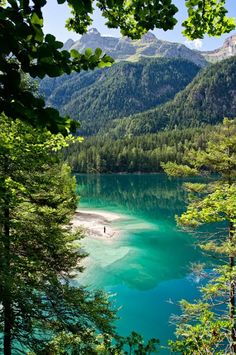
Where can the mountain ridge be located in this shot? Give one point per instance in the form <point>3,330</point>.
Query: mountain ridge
<point>138,97</point>
<point>227,50</point>
<point>150,46</point>
<point>125,49</point>
<point>206,100</point>
<point>126,88</point>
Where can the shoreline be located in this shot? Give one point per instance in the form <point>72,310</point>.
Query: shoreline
<point>97,224</point>
<point>121,173</point>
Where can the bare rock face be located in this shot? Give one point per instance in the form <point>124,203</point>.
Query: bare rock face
<point>93,39</point>
<point>126,49</point>
<point>227,50</point>
<point>123,49</point>
<point>149,46</point>
<point>149,37</point>
<point>68,44</point>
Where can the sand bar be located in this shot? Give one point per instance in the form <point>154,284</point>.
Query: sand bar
<point>96,223</point>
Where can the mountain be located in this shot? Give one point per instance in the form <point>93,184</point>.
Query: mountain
<point>126,49</point>
<point>209,98</point>
<point>227,50</point>
<point>99,96</point>
<point>68,44</point>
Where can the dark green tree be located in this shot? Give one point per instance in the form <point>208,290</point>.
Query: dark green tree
<point>142,153</point>
<point>39,252</point>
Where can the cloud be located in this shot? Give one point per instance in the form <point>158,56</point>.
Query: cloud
<point>195,44</point>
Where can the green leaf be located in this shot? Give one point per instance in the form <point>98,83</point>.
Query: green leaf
<point>36,20</point>
<point>88,52</point>
<point>98,52</point>
<point>74,53</point>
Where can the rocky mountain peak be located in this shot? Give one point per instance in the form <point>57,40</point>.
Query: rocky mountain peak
<point>91,35</point>
<point>93,32</point>
<point>230,44</point>
<point>148,37</point>
<point>227,50</point>
<point>68,44</point>
<point>125,49</point>
<point>93,39</point>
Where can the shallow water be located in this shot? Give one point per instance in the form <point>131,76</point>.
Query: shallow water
<point>148,266</point>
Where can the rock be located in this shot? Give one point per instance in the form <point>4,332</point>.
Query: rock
<point>227,50</point>
<point>68,44</point>
<point>126,49</point>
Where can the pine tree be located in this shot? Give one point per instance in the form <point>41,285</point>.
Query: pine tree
<point>208,326</point>
<point>39,253</point>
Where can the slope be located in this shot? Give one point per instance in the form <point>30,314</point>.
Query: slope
<point>206,100</point>
<point>98,97</point>
<point>227,50</point>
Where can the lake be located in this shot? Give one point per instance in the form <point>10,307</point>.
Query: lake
<point>148,266</point>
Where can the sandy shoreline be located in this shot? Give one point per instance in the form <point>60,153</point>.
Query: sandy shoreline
<point>96,223</point>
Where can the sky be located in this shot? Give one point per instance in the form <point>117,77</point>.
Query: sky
<point>55,16</point>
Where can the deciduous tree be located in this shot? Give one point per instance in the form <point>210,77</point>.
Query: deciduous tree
<point>37,54</point>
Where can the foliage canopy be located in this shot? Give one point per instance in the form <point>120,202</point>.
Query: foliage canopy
<point>25,48</point>
<point>209,325</point>
<point>39,252</point>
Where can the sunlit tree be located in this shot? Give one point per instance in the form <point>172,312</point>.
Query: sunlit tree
<point>23,40</point>
<point>208,326</point>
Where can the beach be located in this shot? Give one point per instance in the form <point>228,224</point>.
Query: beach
<point>97,224</point>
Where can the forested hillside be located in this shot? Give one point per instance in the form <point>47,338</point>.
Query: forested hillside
<point>135,154</point>
<point>95,98</point>
<point>206,100</point>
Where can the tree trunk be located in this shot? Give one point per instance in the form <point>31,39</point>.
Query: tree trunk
<point>232,293</point>
<point>7,311</point>
<point>7,326</point>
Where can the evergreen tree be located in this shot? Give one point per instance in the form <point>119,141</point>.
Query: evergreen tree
<point>39,253</point>
<point>208,326</point>
<point>135,154</point>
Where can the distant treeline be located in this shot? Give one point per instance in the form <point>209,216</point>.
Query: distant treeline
<point>135,154</point>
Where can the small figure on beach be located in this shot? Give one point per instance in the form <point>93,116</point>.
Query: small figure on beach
<point>104,229</point>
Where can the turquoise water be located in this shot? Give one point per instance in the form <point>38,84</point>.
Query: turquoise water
<point>148,266</point>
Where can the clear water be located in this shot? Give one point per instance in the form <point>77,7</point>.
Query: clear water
<point>148,266</point>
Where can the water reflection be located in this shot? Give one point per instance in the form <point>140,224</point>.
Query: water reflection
<point>140,193</point>
<point>151,249</point>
